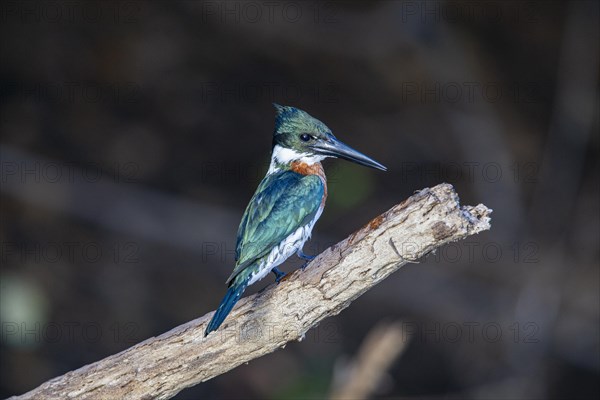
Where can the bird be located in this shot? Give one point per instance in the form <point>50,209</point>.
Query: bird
<point>287,203</point>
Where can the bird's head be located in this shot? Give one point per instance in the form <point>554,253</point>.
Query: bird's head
<point>300,137</point>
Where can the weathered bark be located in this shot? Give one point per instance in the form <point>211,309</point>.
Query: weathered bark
<point>162,366</point>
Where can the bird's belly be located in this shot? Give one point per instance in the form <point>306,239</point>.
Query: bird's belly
<point>284,250</point>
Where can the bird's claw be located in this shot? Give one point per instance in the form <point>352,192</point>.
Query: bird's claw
<point>278,274</point>
<point>305,256</point>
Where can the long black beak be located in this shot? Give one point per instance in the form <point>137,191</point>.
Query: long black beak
<point>332,147</point>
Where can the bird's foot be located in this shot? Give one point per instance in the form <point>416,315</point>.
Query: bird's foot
<point>306,257</point>
<point>278,274</point>
<point>303,256</point>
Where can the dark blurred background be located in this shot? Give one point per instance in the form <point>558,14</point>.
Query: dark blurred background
<point>134,134</point>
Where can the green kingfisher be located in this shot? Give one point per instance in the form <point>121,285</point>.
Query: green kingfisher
<point>287,203</point>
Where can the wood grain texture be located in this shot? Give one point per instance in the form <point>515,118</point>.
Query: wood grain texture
<point>162,366</point>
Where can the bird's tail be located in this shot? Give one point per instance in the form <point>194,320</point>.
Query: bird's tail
<point>237,287</point>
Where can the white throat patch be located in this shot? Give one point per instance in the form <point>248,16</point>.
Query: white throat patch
<point>282,155</point>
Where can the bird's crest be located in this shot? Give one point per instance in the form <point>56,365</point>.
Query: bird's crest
<point>293,120</point>
<point>286,115</point>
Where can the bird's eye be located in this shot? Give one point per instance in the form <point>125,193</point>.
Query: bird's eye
<point>305,137</point>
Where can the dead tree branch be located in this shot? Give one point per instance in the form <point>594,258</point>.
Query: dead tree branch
<point>383,345</point>
<point>162,366</point>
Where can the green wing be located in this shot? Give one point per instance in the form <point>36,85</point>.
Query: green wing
<point>283,202</point>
